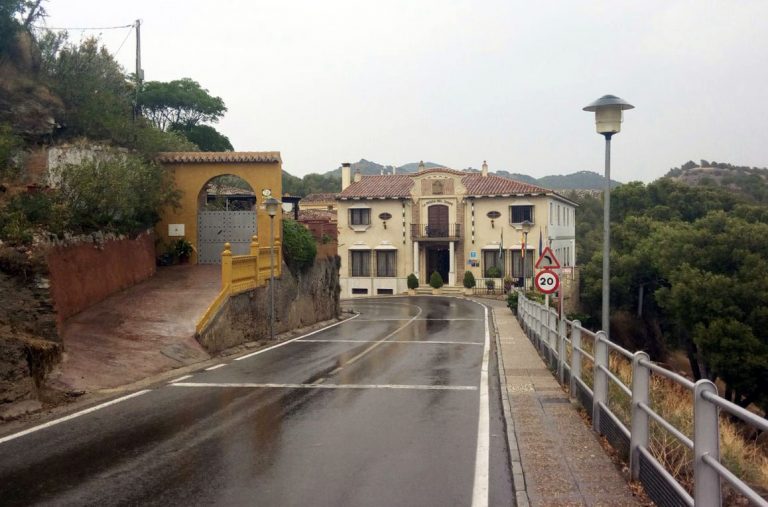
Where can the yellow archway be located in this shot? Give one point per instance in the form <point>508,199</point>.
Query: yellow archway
<point>192,170</point>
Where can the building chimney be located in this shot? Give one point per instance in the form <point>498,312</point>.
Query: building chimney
<point>358,176</point>
<point>421,166</point>
<point>485,168</point>
<point>346,168</point>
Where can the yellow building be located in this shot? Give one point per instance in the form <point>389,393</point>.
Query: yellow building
<point>446,221</point>
<point>207,230</point>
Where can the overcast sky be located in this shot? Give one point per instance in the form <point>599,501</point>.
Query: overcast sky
<point>459,81</point>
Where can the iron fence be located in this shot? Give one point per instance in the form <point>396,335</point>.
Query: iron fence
<point>555,337</point>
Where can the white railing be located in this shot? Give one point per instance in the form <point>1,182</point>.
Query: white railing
<point>554,337</point>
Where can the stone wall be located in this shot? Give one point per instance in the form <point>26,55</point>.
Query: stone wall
<point>86,272</point>
<point>300,300</point>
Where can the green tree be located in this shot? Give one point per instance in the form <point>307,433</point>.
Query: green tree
<point>205,137</point>
<point>179,103</point>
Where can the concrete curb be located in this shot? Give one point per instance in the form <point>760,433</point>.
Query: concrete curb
<point>515,462</point>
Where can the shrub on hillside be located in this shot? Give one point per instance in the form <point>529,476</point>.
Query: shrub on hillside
<point>435,281</point>
<point>299,247</point>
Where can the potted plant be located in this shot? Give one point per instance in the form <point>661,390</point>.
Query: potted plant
<point>413,284</point>
<point>469,283</point>
<point>436,282</point>
<point>491,274</point>
<point>490,284</point>
<point>182,250</point>
<point>508,283</point>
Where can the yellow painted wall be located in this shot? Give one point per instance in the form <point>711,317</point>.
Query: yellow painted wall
<point>190,178</point>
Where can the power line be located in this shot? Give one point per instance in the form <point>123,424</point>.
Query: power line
<point>85,28</point>
<point>126,38</point>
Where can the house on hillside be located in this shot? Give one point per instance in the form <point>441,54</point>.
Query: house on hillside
<point>448,221</point>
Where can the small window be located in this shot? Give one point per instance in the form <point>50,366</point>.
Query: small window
<point>360,216</point>
<point>520,214</point>
<point>385,263</point>
<point>385,291</point>
<point>359,291</point>
<point>360,260</point>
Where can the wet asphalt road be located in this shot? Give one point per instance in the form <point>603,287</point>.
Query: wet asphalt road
<point>395,423</point>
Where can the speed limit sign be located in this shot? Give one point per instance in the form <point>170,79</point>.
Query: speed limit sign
<point>547,281</point>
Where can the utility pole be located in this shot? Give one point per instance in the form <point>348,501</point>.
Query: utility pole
<point>139,72</point>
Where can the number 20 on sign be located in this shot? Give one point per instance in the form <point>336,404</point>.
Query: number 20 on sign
<point>547,281</point>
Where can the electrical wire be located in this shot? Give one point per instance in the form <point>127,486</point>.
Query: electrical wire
<point>122,43</point>
<point>86,28</point>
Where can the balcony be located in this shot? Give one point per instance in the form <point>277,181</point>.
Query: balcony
<point>443,232</point>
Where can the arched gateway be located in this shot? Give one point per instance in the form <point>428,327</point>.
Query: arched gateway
<point>233,219</point>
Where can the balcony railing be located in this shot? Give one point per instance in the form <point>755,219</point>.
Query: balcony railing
<point>426,232</point>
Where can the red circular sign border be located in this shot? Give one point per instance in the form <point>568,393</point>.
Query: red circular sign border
<point>536,281</point>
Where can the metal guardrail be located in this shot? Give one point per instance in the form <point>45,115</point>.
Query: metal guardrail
<point>550,335</point>
<point>426,232</point>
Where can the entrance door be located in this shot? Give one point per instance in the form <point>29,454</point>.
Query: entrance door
<point>214,228</point>
<point>438,221</point>
<point>438,259</point>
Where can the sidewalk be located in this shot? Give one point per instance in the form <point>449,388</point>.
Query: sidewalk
<point>559,457</point>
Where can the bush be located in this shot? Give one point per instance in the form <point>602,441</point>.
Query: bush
<point>182,249</point>
<point>123,194</point>
<point>512,300</point>
<point>435,281</point>
<point>490,283</point>
<point>508,283</point>
<point>469,280</point>
<point>299,247</point>
<point>493,272</point>
<point>413,282</point>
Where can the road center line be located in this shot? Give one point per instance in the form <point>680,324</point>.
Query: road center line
<point>216,367</point>
<point>294,339</point>
<point>185,377</point>
<point>329,386</point>
<point>482,457</point>
<point>72,416</point>
<point>416,342</point>
<point>377,343</point>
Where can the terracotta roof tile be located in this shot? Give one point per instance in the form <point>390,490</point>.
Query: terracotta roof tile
<point>393,186</point>
<point>229,157</point>
<point>319,197</point>
<point>477,184</point>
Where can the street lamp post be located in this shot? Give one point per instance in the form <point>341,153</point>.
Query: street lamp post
<point>272,206</point>
<point>608,111</point>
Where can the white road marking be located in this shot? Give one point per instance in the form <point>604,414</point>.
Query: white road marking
<point>482,457</point>
<point>216,367</point>
<point>293,339</point>
<point>329,386</point>
<point>72,416</point>
<point>185,377</point>
<point>416,342</point>
<point>394,319</point>
<point>377,343</point>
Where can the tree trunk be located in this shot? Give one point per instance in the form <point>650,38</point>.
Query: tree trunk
<point>640,291</point>
<point>691,353</point>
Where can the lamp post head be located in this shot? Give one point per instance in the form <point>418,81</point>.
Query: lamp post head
<point>271,204</point>
<point>608,114</point>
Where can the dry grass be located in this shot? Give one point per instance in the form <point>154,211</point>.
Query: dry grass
<point>743,456</point>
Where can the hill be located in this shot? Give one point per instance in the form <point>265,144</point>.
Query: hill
<point>749,182</point>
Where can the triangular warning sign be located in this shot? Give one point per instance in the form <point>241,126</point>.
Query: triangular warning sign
<point>547,260</point>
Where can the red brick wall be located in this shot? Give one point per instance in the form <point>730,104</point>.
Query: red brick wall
<point>84,274</point>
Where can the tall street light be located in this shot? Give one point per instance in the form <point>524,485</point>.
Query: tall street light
<point>272,206</point>
<point>608,111</point>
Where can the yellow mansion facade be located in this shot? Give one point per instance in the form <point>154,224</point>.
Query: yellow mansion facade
<point>447,221</point>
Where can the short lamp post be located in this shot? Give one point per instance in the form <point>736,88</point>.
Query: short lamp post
<point>608,111</point>
<point>272,206</point>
